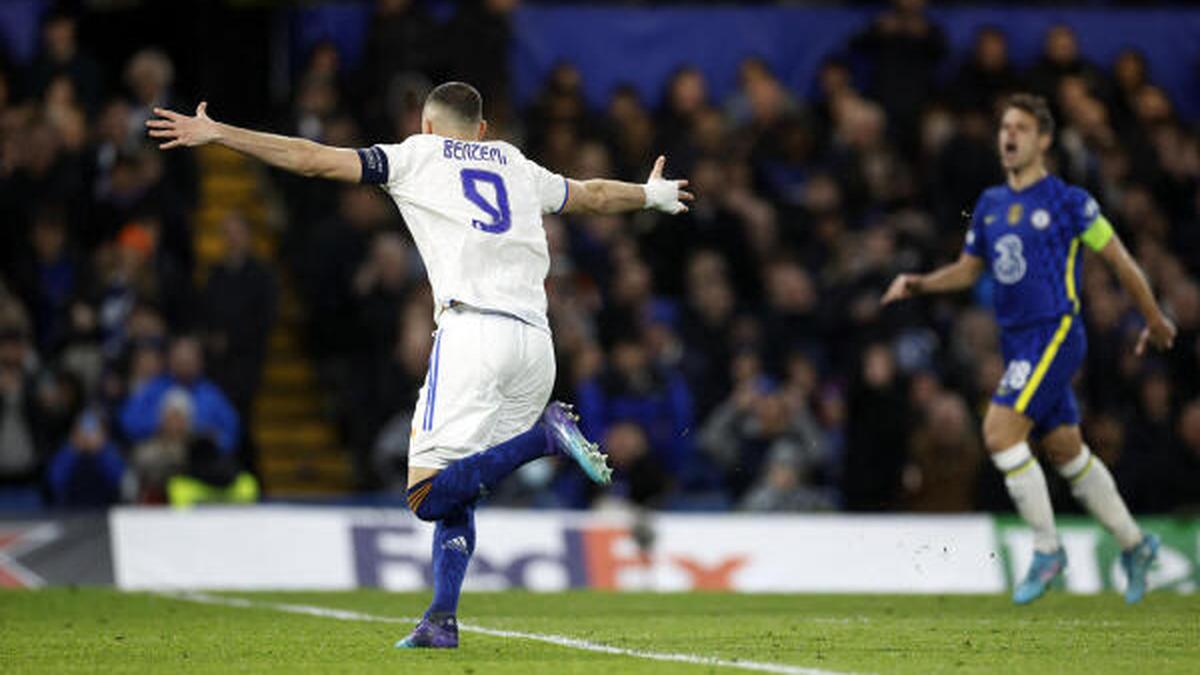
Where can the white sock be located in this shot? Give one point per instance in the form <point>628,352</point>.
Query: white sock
<point>1027,486</point>
<point>1094,487</point>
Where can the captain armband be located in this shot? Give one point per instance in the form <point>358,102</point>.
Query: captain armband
<point>374,165</point>
<point>1098,234</point>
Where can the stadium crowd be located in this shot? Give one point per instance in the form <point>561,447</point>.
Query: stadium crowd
<point>733,357</point>
<point>104,336</point>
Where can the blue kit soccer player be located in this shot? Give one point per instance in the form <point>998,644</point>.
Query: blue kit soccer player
<point>1029,234</point>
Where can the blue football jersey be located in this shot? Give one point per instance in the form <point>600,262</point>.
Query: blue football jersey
<point>1029,240</point>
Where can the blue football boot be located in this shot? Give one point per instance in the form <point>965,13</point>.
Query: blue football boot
<point>430,634</point>
<point>1046,568</point>
<point>1137,562</point>
<point>560,421</point>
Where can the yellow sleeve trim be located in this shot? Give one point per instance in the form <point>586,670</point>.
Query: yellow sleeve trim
<point>1098,233</point>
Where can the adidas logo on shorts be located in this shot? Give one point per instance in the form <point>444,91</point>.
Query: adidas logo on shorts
<point>458,543</point>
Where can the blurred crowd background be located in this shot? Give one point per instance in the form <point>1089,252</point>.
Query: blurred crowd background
<point>735,357</point>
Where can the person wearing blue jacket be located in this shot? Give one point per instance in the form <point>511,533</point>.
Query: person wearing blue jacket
<point>88,469</point>
<point>212,414</point>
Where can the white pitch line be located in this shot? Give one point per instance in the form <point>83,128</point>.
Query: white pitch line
<point>558,640</point>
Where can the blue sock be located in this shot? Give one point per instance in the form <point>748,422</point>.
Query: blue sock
<point>464,481</point>
<point>453,543</point>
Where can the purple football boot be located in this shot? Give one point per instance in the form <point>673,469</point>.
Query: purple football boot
<point>560,420</point>
<point>430,634</point>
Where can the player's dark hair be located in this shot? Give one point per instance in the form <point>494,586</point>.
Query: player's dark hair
<point>1034,105</point>
<point>460,98</point>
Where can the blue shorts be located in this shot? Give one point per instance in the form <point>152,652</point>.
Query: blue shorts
<point>1040,360</point>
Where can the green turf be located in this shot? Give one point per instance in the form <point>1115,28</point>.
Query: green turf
<point>63,631</point>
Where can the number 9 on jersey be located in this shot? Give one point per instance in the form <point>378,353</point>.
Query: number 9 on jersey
<point>499,213</point>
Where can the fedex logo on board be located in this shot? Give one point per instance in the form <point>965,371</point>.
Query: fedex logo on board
<point>396,557</point>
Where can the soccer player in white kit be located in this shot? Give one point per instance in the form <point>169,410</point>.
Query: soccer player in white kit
<point>474,208</point>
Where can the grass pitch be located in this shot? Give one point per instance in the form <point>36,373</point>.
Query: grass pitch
<point>92,630</point>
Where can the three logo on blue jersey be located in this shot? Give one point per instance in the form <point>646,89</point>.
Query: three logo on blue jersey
<point>1009,266</point>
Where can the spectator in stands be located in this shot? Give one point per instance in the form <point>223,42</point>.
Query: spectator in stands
<point>211,476</point>
<point>49,278</point>
<point>559,111</point>
<point>62,109</point>
<point>1185,472</point>
<point>904,47</point>
<point>213,415</point>
<point>124,280</point>
<point>880,417</point>
<point>22,445</point>
<point>332,256</point>
<point>635,389</point>
<point>1184,360</point>
<point>42,170</point>
<point>782,488</point>
<point>315,107</point>
<point>402,39</point>
<point>760,438</point>
<point>686,99</point>
<point>792,321</point>
<point>477,45</point>
<point>61,55</point>
<point>1061,58</point>
<point>325,67</point>
<point>379,290</point>
<point>761,99</point>
<point>159,276</point>
<point>146,364</point>
<point>164,454</point>
<point>88,470</point>
<point>60,400</point>
<point>963,167</point>
<point>379,287</point>
<point>149,75</point>
<point>1130,73</point>
<point>81,354</point>
<point>238,309</point>
<point>396,386</point>
<point>1145,462</point>
<point>988,75</point>
<point>112,138</point>
<point>639,478</point>
<point>707,330</point>
<point>944,456</point>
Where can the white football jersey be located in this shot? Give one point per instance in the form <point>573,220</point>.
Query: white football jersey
<point>475,211</point>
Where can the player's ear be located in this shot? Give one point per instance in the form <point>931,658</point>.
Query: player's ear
<point>1044,141</point>
<point>482,129</point>
<point>426,126</point>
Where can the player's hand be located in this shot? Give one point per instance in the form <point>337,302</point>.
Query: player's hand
<point>1159,333</point>
<point>665,194</point>
<point>183,130</point>
<point>903,287</point>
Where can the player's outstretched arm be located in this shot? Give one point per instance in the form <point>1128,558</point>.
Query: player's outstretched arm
<point>297,155</point>
<point>960,274</point>
<point>1159,331</point>
<point>613,196</point>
